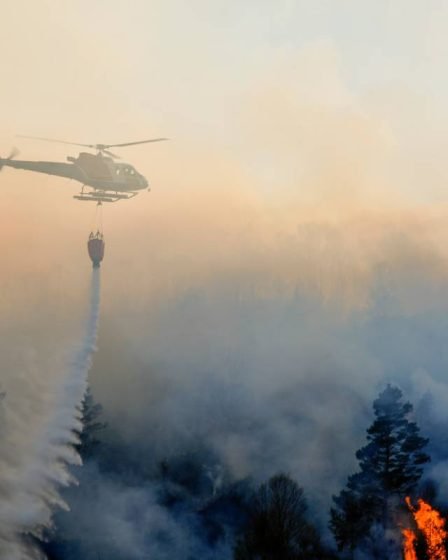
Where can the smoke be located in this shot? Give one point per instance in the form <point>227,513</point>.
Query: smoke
<point>268,366</point>
<point>32,474</point>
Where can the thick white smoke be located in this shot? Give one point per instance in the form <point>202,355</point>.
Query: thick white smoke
<point>29,489</point>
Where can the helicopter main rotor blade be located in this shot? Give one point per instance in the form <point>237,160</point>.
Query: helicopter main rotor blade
<point>58,141</point>
<point>134,143</point>
<point>99,147</point>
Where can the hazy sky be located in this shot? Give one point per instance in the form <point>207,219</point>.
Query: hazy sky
<point>206,72</point>
<point>281,114</point>
<point>300,130</point>
<point>288,108</point>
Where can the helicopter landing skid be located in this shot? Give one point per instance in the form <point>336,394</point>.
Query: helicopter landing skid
<point>104,197</point>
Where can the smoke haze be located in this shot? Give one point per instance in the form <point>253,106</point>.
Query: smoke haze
<point>290,260</point>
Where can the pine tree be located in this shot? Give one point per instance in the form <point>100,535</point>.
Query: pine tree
<point>92,426</point>
<point>391,465</point>
<point>350,519</point>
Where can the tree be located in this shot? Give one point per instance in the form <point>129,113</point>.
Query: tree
<point>277,528</point>
<point>391,465</point>
<point>350,519</point>
<point>92,426</point>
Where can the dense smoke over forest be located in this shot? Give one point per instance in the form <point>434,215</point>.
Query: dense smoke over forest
<point>217,382</point>
<point>225,386</point>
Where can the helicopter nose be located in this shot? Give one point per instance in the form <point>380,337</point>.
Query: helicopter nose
<point>144,182</point>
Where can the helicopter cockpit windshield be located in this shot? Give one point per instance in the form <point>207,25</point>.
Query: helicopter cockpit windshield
<point>126,170</point>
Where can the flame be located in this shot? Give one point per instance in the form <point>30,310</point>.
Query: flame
<point>409,544</point>
<point>432,525</point>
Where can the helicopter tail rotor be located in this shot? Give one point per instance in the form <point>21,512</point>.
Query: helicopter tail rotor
<point>14,153</point>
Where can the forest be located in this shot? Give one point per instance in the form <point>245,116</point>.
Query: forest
<point>387,509</point>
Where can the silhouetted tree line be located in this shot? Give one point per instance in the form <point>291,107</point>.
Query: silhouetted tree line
<point>272,521</point>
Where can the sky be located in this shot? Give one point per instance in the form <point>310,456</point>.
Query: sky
<point>191,70</point>
<point>297,219</point>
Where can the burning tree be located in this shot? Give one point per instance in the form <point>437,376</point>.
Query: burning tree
<point>432,526</point>
<point>391,465</point>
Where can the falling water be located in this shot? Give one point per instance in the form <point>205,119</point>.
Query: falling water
<point>30,492</point>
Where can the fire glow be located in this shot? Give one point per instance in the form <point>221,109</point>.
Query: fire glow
<point>432,525</point>
<point>409,545</point>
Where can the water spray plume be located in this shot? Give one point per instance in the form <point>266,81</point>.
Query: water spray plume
<point>432,525</point>
<point>35,490</point>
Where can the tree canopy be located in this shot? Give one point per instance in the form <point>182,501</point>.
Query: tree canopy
<point>391,465</point>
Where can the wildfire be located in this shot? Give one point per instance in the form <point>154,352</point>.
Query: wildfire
<point>409,544</point>
<point>432,525</point>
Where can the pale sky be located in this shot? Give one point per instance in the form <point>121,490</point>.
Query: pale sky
<point>276,111</point>
<point>106,67</point>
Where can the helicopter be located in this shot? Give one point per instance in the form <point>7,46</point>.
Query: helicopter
<point>109,179</point>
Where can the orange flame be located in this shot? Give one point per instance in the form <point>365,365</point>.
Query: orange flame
<point>432,525</point>
<point>409,545</point>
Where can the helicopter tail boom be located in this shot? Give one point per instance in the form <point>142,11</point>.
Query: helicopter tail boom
<point>66,170</point>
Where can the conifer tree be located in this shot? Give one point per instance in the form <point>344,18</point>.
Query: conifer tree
<point>92,425</point>
<point>391,465</point>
